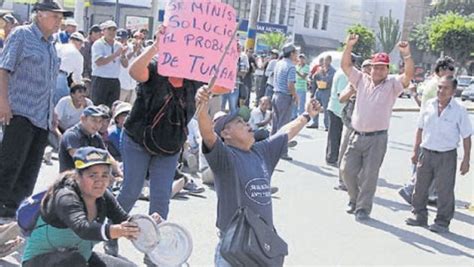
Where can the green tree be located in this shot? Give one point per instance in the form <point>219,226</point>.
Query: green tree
<point>463,7</point>
<point>366,44</point>
<point>452,34</point>
<point>274,40</point>
<point>389,32</point>
<point>419,35</point>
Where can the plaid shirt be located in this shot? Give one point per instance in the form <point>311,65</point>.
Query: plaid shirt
<point>33,66</point>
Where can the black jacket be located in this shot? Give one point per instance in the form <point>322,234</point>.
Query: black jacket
<point>66,209</point>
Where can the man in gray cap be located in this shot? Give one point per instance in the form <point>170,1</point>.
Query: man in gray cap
<point>29,58</point>
<point>236,159</point>
<point>107,56</point>
<point>284,91</point>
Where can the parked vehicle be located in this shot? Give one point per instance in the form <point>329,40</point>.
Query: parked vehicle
<point>468,93</point>
<point>463,83</point>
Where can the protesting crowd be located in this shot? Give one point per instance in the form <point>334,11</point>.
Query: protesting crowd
<point>123,132</point>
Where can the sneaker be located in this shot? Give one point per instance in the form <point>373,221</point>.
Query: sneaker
<point>438,228</point>
<point>417,221</point>
<point>403,193</point>
<point>351,207</point>
<point>312,126</point>
<point>111,247</point>
<point>292,143</point>
<point>286,157</point>
<point>362,215</point>
<point>193,187</point>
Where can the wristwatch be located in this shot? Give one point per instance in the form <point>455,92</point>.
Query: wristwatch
<point>306,115</point>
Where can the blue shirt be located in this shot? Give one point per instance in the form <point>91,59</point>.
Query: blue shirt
<point>63,37</point>
<point>33,67</point>
<point>284,73</point>
<point>114,137</point>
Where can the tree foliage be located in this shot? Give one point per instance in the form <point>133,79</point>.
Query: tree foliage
<point>419,35</point>
<point>274,40</point>
<point>453,34</point>
<point>463,7</point>
<point>389,32</point>
<point>366,44</point>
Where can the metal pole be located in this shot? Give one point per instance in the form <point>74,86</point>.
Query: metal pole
<point>117,13</point>
<point>252,30</point>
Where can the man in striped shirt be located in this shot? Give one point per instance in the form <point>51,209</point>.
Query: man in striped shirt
<point>29,67</point>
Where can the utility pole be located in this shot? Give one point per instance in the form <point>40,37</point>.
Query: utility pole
<point>252,29</point>
<point>79,15</point>
<point>117,12</point>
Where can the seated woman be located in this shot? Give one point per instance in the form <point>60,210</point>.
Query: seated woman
<point>72,218</point>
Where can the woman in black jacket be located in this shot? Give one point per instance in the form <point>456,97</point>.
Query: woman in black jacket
<point>73,214</point>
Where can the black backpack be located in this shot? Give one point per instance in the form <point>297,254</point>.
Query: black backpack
<point>169,121</point>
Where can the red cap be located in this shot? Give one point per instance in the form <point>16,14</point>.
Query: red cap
<point>380,59</point>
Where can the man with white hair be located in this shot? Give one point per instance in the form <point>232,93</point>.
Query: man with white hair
<point>29,57</point>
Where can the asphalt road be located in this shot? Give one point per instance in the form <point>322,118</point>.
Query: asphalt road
<point>309,213</point>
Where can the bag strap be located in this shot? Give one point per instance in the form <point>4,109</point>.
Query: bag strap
<point>238,191</point>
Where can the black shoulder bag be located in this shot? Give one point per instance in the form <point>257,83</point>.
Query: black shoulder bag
<point>249,241</point>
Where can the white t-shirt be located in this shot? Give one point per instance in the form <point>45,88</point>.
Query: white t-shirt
<point>68,114</point>
<point>256,116</point>
<point>101,48</point>
<point>72,61</point>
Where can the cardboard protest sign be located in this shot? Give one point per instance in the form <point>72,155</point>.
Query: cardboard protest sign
<point>197,33</point>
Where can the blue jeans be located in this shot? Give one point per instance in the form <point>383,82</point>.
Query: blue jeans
<point>299,109</point>
<point>62,88</point>
<point>137,165</point>
<point>232,98</point>
<point>281,106</point>
<point>323,97</point>
<point>219,261</point>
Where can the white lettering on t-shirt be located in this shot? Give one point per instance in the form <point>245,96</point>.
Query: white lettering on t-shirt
<point>258,190</point>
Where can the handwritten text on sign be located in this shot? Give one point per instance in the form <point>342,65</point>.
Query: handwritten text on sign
<point>196,36</point>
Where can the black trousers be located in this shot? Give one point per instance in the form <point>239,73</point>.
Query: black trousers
<point>21,155</point>
<point>105,90</point>
<point>334,138</point>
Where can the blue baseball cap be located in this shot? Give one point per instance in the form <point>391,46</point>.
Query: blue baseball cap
<point>88,156</point>
<point>221,121</point>
<point>94,111</point>
<point>122,33</point>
